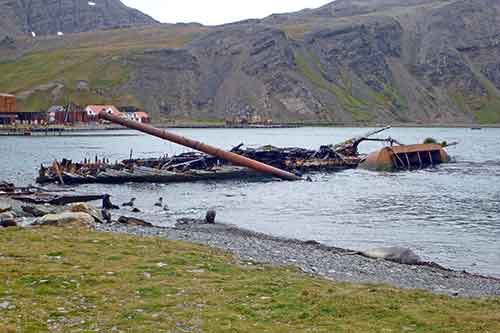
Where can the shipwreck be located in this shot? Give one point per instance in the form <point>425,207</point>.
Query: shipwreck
<point>211,163</point>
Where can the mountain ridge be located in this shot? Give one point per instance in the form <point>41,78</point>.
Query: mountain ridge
<point>350,61</point>
<point>40,18</point>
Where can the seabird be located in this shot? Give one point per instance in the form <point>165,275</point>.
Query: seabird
<point>159,203</point>
<point>130,203</point>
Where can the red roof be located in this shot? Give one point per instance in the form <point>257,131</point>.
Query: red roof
<point>96,109</point>
<point>141,114</point>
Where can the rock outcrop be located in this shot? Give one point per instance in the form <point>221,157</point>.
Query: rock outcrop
<point>66,16</point>
<point>419,61</point>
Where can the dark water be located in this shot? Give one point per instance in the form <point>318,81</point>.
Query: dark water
<point>450,214</point>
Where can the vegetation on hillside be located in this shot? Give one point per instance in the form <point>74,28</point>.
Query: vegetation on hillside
<point>85,68</point>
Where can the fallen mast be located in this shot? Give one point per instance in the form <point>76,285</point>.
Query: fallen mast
<point>225,155</point>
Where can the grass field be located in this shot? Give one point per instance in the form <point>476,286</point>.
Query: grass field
<point>64,280</point>
<point>96,58</point>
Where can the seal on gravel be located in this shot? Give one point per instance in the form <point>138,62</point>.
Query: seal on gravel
<point>400,255</point>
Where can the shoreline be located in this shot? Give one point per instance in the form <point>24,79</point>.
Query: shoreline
<point>67,130</point>
<point>311,257</point>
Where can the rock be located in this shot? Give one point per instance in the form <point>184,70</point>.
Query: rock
<point>210,216</point>
<point>7,216</point>
<point>86,208</point>
<point>82,85</point>
<point>136,210</point>
<point>37,211</point>
<point>396,254</point>
<point>5,208</point>
<point>8,219</point>
<point>131,221</point>
<point>6,306</point>
<point>68,16</point>
<point>188,221</point>
<point>67,219</point>
<point>8,223</point>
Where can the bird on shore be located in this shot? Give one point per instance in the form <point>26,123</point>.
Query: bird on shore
<point>130,203</point>
<point>107,204</point>
<point>159,203</point>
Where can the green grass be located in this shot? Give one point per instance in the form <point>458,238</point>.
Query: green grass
<point>67,280</point>
<point>342,94</point>
<point>489,112</point>
<point>314,76</point>
<point>97,58</point>
<point>297,31</point>
<point>486,110</point>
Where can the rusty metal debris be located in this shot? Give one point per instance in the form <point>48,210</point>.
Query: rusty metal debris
<point>38,195</point>
<point>195,166</point>
<point>200,146</point>
<point>408,157</point>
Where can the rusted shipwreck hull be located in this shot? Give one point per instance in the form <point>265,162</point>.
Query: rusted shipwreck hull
<point>192,167</point>
<point>406,157</point>
<point>264,162</point>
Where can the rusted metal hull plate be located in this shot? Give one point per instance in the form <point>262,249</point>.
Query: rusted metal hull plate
<point>409,157</point>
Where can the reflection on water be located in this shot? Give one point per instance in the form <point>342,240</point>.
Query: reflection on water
<point>449,214</point>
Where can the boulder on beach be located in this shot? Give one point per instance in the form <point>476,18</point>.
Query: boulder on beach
<point>8,219</point>
<point>7,216</point>
<point>8,224</point>
<point>132,221</point>
<point>67,219</point>
<point>5,207</point>
<point>37,211</point>
<point>81,207</point>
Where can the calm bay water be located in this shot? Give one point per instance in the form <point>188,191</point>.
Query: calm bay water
<point>450,214</point>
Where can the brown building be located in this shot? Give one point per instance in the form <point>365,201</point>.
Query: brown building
<point>67,115</point>
<point>8,109</point>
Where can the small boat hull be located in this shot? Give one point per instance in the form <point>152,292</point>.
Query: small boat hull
<point>411,157</point>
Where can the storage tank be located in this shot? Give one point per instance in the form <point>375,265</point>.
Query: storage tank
<point>8,103</point>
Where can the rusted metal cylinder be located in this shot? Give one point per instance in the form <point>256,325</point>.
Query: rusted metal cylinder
<point>225,155</point>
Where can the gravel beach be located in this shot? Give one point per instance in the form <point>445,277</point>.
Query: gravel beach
<point>313,258</point>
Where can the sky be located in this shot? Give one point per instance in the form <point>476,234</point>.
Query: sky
<point>218,11</point>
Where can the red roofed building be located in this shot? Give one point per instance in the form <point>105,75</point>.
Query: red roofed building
<point>94,110</point>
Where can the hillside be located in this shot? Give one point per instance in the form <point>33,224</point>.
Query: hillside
<point>351,61</point>
<point>66,16</point>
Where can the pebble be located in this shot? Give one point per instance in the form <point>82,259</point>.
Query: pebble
<point>7,306</point>
<point>315,258</point>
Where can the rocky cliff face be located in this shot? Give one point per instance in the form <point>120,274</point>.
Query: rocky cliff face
<point>351,61</point>
<point>44,17</point>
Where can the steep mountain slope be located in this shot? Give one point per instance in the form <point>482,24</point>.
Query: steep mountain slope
<point>44,17</point>
<point>351,61</point>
